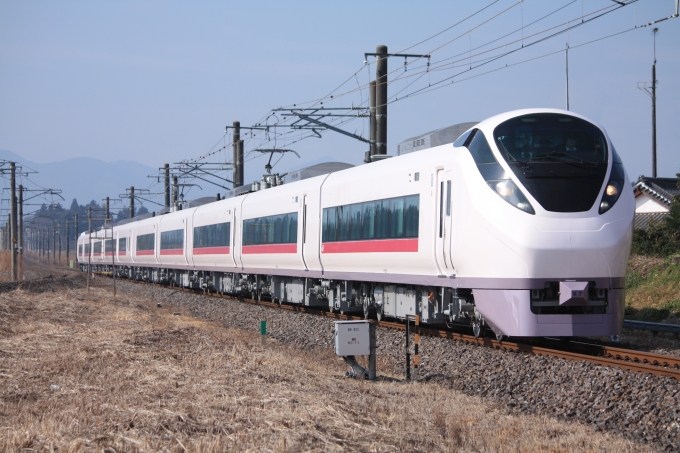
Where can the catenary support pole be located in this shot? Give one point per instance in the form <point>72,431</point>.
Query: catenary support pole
<point>54,245</point>
<point>13,219</point>
<point>20,218</point>
<point>166,178</point>
<point>175,191</point>
<point>132,204</point>
<point>654,119</point>
<point>59,240</point>
<point>237,146</point>
<point>372,124</point>
<point>381,99</point>
<point>108,213</point>
<point>68,243</point>
<point>417,343</point>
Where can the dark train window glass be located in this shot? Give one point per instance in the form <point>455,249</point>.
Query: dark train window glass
<point>276,229</point>
<point>217,235</point>
<point>172,240</point>
<point>122,244</point>
<point>448,198</point>
<point>355,216</point>
<point>87,249</point>
<point>480,149</point>
<point>560,160</point>
<point>80,249</point>
<point>146,241</point>
<point>368,225</point>
<point>380,219</point>
<point>98,247</point>
<point>397,218</point>
<point>108,246</point>
<point>329,225</point>
<point>411,216</point>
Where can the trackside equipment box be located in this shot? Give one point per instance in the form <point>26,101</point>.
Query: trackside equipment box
<point>352,338</point>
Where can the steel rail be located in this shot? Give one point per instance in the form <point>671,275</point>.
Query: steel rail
<point>627,359</point>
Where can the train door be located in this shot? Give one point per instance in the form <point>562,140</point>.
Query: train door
<point>448,222</point>
<point>443,224</point>
<point>304,230</point>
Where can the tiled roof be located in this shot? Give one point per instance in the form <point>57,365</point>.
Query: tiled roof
<point>661,189</point>
<point>643,221</point>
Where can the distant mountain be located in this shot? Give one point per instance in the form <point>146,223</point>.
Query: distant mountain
<point>84,178</point>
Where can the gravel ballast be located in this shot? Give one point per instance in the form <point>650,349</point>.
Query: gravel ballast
<point>643,408</point>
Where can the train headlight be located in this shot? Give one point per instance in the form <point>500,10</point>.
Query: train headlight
<point>611,194</point>
<point>509,191</point>
<point>612,191</point>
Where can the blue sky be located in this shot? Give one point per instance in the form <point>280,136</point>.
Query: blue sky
<point>157,81</point>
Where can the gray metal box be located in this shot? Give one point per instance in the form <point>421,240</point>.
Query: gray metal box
<point>352,338</point>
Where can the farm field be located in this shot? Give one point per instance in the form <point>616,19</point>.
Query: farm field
<point>81,371</point>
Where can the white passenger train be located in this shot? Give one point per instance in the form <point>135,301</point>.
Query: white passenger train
<point>523,224</point>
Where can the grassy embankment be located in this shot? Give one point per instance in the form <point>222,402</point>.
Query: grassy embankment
<point>653,289</point>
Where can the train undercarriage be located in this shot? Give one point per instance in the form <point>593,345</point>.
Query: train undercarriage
<point>434,305</point>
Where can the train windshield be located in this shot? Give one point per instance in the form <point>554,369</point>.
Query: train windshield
<point>560,159</point>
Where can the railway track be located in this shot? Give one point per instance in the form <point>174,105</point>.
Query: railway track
<point>627,359</point>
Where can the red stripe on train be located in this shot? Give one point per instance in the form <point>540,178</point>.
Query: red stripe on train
<point>211,250</point>
<point>145,252</point>
<point>269,248</point>
<point>172,252</point>
<point>374,246</point>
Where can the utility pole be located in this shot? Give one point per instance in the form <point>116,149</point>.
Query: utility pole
<point>106,219</point>
<point>59,238</point>
<point>237,145</point>
<point>655,31</point>
<point>132,203</point>
<point>381,100</point>
<point>68,243</point>
<point>651,91</point>
<point>54,245</point>
<point>166,171</point>
<point>372,125</point>
<point>175,189</point>
<point>378,99</point>
<point>13,218</point>
<point>567,56</point>
<point>76,235</point>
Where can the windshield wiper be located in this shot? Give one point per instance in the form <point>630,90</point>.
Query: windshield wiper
<point>557,156</point>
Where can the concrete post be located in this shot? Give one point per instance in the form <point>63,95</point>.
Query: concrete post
<point>381,100</point>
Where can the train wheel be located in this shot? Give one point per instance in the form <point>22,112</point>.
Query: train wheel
<point>477,329</point>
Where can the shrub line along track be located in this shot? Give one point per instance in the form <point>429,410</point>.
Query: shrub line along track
<point>627,359</point>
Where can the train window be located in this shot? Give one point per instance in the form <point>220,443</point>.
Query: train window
<point>380,219</point>
<point>448,198</point>
<point>368,224</point>
<point>108,246</point>
<point>329,233</point>
<point>87,249</point>
<point>441,208</point>
<point>276,229</point>
<point>146,241</point>
<point>122,244</point>
<point>460,141</point>
<point>80,249</point>
<point>480,149</point>
<point>355,216</point>
<point>411,216</point>
<point>97,247</point>
<point>397,218</point>
<point>172,240</point>
<point>217,235</point>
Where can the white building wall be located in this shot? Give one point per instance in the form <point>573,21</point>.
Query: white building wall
<point>644,204</point>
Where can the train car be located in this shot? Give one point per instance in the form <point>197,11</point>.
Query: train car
<point>522,224</point>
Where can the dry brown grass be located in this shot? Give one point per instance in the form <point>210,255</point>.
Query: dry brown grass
<point>82,372</point>
<point>5,266</point>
